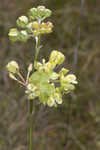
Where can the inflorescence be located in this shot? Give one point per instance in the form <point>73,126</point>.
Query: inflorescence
<point>44,83</point>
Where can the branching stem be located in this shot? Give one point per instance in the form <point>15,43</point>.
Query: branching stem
<point>21,77</point>
<point>31,107</point>
<point>37,47</point>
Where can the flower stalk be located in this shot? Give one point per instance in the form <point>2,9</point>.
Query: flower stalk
<point>31,103</point>
<point>41,85</point>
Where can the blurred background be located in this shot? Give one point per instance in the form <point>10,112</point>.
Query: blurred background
<point>75,125</point>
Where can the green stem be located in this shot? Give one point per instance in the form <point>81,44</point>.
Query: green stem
<point>31,112</point>
<point>31,125</point>
<point>37,48</point>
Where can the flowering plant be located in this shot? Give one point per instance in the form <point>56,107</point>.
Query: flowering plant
<point>42,82</point>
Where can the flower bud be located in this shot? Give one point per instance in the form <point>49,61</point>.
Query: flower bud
<point>49,24</point>
<point>33,13</point>
<point>35,25</point>
<point>31,96</point>
<point>13,34</point>
<point>41,11</point>
<point>30,68</point>
<point>29,27</point>
<point>58,98</point>
<point>32,25</point>
<point>57,89</point>
<point>56,57</point>
<point>46,27</point>
<point>31,91</point>
<point>71,78</point>
<point>13,67</point>
<point>48,30</point>
<point>43,61</point>
<point>12,76</point>
<point>43,30</point>
<point>42,25</point>
<point>23,36</point>
<point>41,7</point>
<point>37,65</point>
<point>63,71</point>
<point>48,13</point>
<point>48,67</point>
<point>22,21</point>
<point>31,87</point>
<point>51,101</point>
<point>68,87</point>
<point>54,76</point>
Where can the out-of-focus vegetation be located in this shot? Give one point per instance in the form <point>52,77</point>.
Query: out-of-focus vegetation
<point>75,124</point>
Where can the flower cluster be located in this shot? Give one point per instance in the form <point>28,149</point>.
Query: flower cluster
<point>32,25</point>
<point>42,83</point>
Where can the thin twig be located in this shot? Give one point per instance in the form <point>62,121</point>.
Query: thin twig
<point>28,74</point>
<point>21,83</point>
<point>21,77</point>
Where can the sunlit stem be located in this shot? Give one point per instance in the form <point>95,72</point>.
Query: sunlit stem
<point>21,77</point>
<point>21,83</point>
<point>37,47</point>
<point>37,39</point>
<point>28,74</point>
<point>14,78</point>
